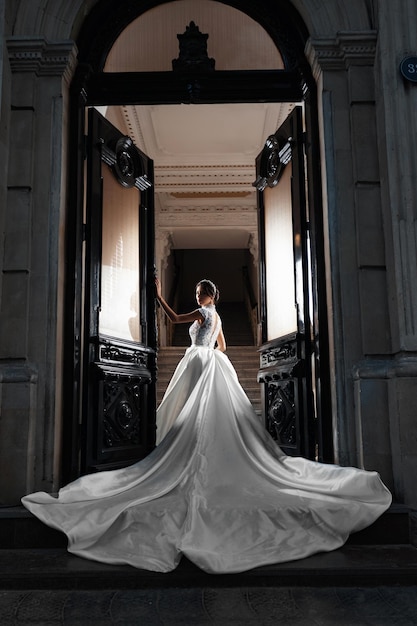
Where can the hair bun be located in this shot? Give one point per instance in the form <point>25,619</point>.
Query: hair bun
<point>210,288</point>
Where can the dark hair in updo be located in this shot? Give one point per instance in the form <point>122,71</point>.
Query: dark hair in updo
<point>209,288</point>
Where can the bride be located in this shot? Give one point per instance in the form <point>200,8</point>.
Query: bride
<point>217,488</point>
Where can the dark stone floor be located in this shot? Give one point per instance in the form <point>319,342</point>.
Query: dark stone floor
<point>353,586</point>
<point>371,581</point>
<point>254,606</point>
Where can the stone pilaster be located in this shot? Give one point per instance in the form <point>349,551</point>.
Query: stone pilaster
<point>356,266</point>
<point>397,124</point>
<point>33,262</point>
<point>397,129</point>
<point>163,245</point>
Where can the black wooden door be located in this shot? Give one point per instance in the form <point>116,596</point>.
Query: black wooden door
<point>118,363</point>
<point>287,354</point>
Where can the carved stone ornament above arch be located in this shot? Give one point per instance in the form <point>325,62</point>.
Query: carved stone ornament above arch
<point>152,42</point>
<point>342,51</point>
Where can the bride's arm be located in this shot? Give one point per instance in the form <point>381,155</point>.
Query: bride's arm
<point>176,318</point>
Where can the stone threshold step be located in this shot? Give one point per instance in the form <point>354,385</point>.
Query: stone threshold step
<point>19,529</point>
<point>350,566</point>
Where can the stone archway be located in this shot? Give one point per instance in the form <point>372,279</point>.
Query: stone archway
<point>295,72</point>
<point>344,71</point>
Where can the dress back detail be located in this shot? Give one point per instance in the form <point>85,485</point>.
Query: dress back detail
<point>205,334</point>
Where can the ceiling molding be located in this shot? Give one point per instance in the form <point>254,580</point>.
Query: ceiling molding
<point>198,195</point>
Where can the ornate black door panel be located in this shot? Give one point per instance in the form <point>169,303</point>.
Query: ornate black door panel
<point>282,372</point>
<point>285,277</point>
<point>118,409</point>
<point>282,419</point>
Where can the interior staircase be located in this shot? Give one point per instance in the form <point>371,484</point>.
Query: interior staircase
<point>245,360</point>
<point>240,349</point>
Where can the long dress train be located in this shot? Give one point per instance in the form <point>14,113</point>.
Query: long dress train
<point>216,489</point>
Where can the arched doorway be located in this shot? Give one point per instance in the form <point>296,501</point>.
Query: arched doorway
<point>196,86</point>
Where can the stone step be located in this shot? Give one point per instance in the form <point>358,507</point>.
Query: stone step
<point>34,556</point>
<point>245,360</point>
<point>19,529</point>
<point>348,567</point>
<point>241,354</point>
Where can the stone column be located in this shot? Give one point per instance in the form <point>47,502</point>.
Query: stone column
<point>356,263</point>
<point>397,131</point>
<point>31,312</point>
<point>163,245</point>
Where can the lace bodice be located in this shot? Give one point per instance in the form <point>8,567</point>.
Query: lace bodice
<point>205,334</point>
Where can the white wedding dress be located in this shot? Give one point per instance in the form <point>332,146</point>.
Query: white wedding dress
<point>216,489</point>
